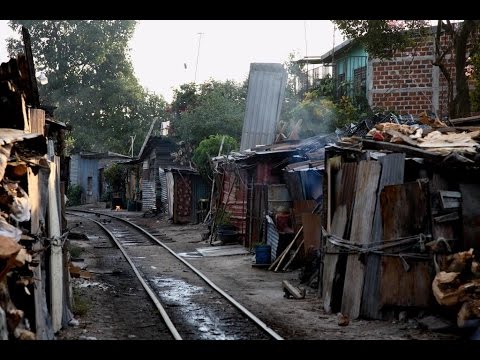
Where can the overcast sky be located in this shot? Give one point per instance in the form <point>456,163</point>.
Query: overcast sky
<point>164,52</point>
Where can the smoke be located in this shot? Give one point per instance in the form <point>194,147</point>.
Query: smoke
<point>318,115</point>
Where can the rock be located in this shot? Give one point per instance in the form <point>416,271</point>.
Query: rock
<point>343,320</point>
<point>83,337</point>
<point>402,316</point>
<point>74,322</point>
<point>435,323</point>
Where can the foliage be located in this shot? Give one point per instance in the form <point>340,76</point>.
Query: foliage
<point>214,108</point>
<point>474,73</point>
<point>115,176</point>
<point>91,80</point>
<point>222,217</point>
<point>74,195</point>
<point>296,84</point>
<point>209,148</point>
<point>382,38</point>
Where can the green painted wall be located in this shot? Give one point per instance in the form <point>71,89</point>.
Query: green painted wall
<point>348,61</point>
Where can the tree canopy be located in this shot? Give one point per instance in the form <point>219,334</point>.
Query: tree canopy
<point>212,107</point>
<point>91,80</point>
<point>382,38</point>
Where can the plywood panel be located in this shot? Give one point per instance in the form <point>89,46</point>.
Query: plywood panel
<point>368,175</point>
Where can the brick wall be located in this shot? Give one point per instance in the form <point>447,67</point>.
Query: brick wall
<point>409,83</point>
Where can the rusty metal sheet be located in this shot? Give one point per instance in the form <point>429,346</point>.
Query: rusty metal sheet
<point>393,169</point>
<point>312,230</point>
<point>405,213</point>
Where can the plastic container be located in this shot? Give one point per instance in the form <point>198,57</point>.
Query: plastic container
<point>263,254</point>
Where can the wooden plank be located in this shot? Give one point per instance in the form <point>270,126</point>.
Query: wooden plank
<point>393,169</point>
<point>56,256</point>
<point>347,192</point>
<point>312,231</point>
<point>293,290</point>
<point>43,329</point>
<point>330,261</point>
<point>33,98</point>
<point>279,260</point>
<point>408,150</point>
<point>465,120</point>
<point>471,215</point>
<point>300,246</point>
<point>335,273</point>
<point>439,229</point>
<point>34,198</point>
<point>37,121</point>
<point>405,213</point>
<point>363,211</point>
<point>333,165</point>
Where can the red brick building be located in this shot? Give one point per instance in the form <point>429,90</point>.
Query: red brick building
<point>406,84</point>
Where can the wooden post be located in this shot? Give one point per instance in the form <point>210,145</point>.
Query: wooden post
<point>56,256</point>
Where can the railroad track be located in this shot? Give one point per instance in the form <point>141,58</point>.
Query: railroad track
<point>190,304</point>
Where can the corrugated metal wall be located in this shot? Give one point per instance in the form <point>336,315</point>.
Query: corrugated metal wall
<point>163,190</point>
<point>88,168</point>
<point>74,160</point>
<point>148,195</point>
<point>266,91</point>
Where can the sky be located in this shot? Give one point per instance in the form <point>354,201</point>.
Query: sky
<point>168,53</point>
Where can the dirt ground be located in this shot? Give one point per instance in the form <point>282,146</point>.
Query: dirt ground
<point>105,304</point>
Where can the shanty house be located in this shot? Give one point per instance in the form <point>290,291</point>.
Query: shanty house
<point>86,171</point>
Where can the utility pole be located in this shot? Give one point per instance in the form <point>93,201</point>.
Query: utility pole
<point>198,54</point>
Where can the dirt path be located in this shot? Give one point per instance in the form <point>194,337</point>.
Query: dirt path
<point>114,309</point>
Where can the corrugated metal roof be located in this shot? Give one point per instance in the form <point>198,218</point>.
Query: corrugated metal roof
<point>266,91</point>
<point>8,136</point>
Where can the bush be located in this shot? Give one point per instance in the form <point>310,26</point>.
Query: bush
<point>74,195</point>
<point>208,148</point>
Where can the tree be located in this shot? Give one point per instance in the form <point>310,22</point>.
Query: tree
<point>213,108</point>
<point>382,38</point>
<point>209,148</point>
<point>91,80</point>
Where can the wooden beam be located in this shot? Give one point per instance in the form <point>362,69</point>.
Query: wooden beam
<point>34,199</point>
<point>293,290</point>
<point>56,256</point>
<point>409,150</point>
<point>465,120</point>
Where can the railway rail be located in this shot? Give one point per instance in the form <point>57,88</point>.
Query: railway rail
<point>190,304</point>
